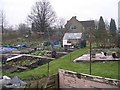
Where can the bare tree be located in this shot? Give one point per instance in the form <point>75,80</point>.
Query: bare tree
<point>42,16</point>
<point>60,26</point>
<point>60,23</point>
<point>24,29</point>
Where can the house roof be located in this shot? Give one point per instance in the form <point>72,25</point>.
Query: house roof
<point>72,36</point>
<point>88,23</point>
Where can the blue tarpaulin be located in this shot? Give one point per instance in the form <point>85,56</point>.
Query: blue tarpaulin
<point>56,43</point>
<point>6,49</point>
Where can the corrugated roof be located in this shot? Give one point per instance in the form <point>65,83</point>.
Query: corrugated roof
<point>72,36</point>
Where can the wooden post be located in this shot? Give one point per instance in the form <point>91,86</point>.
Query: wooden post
<point>90,51</point>
<point>90,57</point>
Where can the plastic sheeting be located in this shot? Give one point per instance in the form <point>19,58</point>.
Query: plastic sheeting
<point>6,49</point>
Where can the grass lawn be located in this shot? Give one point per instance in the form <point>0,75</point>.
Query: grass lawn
<point>108,69</point>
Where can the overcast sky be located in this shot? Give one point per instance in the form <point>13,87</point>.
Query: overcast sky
<point>16,11</point>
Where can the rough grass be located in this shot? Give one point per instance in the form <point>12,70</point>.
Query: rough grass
<point>107,69</point>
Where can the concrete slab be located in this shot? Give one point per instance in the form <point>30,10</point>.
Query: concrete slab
<point>98,57</point>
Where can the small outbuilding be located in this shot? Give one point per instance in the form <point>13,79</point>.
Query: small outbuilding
<point>72,39</point>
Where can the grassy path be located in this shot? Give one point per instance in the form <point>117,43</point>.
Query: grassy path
<point>108,69</point>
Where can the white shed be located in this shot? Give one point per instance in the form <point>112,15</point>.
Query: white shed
<point>71,38</point>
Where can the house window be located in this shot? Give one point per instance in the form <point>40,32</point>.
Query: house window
<point>73,27</point>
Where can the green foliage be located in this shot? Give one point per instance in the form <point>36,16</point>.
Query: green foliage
<point>118,40</point>
<point>46,43</point>
<point>39,53</point>
<point>101,24</point>
<point>113,26</point>
<point>101,34</point>
<point>112,34</point>
<point>118,52</point>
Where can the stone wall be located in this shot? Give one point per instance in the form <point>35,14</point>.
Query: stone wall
<point>68,79</point>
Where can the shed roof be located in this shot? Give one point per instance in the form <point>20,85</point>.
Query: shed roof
<point>72,36</point>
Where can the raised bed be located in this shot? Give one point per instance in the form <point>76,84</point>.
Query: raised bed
<point>24,62</point>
